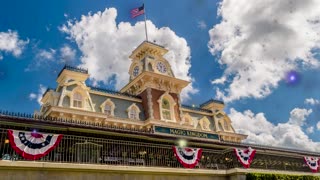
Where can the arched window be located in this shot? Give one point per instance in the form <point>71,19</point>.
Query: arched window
<point>166,109</point>
<point>107,107</point>
<point>166,106</point>
<point>133,114</point>
<point>77,100</point>
<point>188,120</point>
<point>205,123</point>
<point>133,111</point>
<point>66,101</point>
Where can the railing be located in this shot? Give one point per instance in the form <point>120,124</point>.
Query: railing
<point>89,150</point>
<point>72,122</point>
<point>75,69</point>
<point>275,148</point>
<point>104,151</point>
<point>25,117</point>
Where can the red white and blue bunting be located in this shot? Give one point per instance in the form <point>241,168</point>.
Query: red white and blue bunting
<point>313,163</point>
<point>33,145</point>
<point>245,156</point>
<point>188,157</point>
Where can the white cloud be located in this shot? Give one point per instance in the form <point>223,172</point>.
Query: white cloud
<point>32,96</point>
<point>311,101</point>
<point>10,43</point>
<point>202,25</point>
<point>262,131</point>
<point>42,58</point>
<point>259,42</point>
<point>298,116</point>
<point>43,54</point>
<point>310,129</point>
<point>38,96</point>
<point>106,46</point>
<point>67,54</point>
<point>318,125</point>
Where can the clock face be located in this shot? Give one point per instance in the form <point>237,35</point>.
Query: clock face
<point>135,71</point>
<point>161,67</point>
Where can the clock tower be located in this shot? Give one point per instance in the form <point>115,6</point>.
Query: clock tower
<point>152,78</point>
<point>149,57</point>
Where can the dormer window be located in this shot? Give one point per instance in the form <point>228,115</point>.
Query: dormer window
<point>188,119</point>
<point>223,122</point>
<point>205,124</point>
<point>107,107</point>
<point>77,100</point>
<point>166,109</point>
<point>133,114</point>
<point>133,111</point>
<point>166,106</point>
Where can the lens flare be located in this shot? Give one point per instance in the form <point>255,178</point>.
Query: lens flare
<point>182,142</point>
<point>292,78</point>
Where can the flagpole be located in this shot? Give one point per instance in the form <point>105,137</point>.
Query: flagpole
<point>145,20</point>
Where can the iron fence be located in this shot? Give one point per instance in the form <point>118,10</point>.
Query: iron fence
<point>92,150</point>
<point>104,151</point>
<point>14,116</point>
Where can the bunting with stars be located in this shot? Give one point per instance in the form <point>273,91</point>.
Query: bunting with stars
<point>33,145</point>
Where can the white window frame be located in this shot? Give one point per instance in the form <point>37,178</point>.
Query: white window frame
<point>172,103</point>
<point>133,106</point>
<point>202,123</point>
<point>111,104</point>
<point>77,100</point>
<point>188,119</point>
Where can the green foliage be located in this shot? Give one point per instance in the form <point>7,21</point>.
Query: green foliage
<point>258,176</point>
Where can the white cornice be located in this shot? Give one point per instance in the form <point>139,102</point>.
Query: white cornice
<point>152,75</point>
<point>196,112</point>
<point>231,134</point>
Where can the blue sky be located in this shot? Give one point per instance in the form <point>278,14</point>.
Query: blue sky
<point>240,56</point>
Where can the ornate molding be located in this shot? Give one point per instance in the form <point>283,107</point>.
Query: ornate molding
<point>63,93</point>
<point>150,103</point>
<point>180,111</point>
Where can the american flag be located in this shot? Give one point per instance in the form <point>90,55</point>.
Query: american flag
<point>137,11</point>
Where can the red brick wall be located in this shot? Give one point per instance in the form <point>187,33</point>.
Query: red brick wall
<point>156,94</point>
<point>144,98</point>
<point>176,107</point>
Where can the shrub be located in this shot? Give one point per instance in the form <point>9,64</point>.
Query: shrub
<point>259,176</point>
